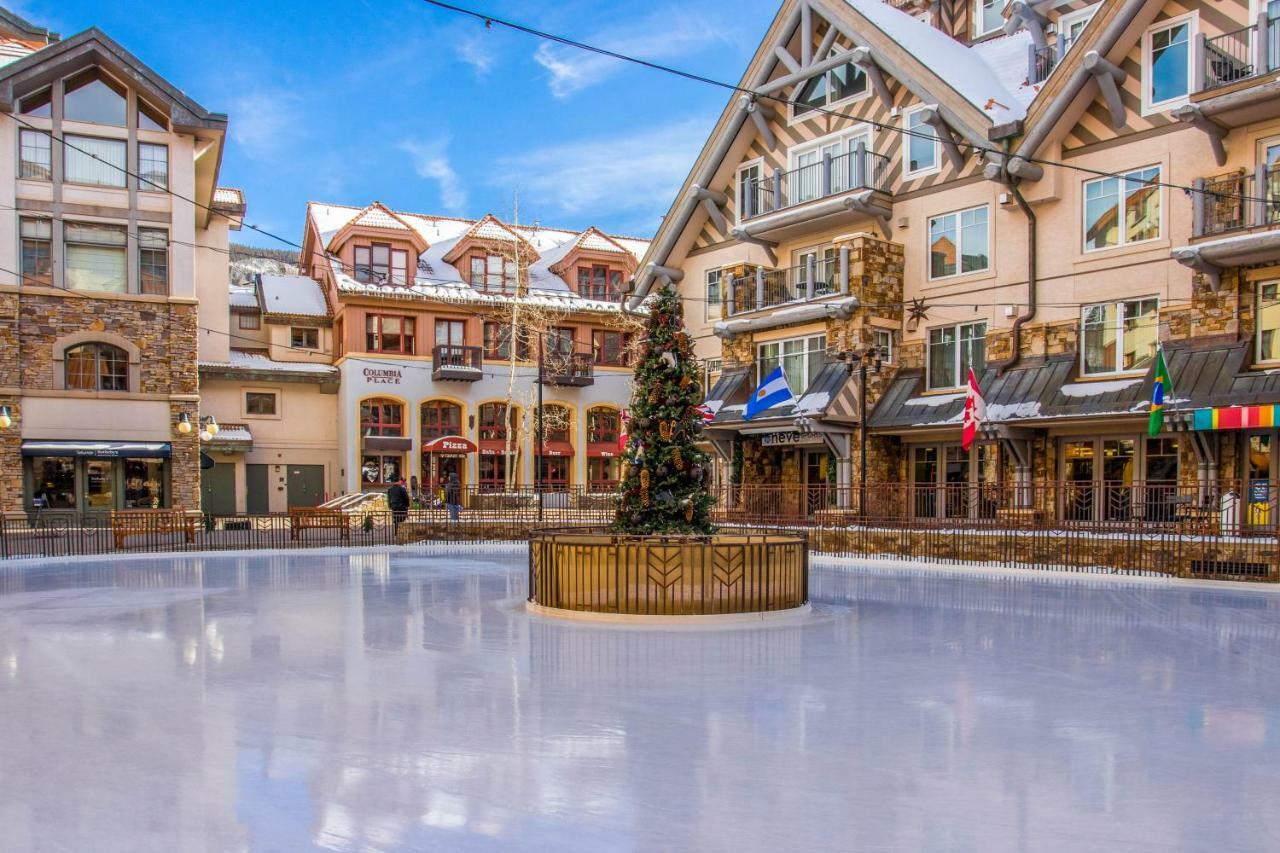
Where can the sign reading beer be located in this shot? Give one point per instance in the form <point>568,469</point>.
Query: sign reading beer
<point>382,375</point>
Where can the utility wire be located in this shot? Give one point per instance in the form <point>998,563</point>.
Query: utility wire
<point>490,20</point>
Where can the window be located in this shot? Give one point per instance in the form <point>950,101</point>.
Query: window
<point>599,282</point>
<point>712,368</point>
<point>36,159</point>
<point>493,272</point>
<point>1103,227</point>
<point>399,267</point>
<point>958,243</point>
<point>379,469</point>
<point>493,422</point>
<point>153,261</point>
<point>555,423</point>
<point>373,263</point>
<point>825,269</point>
<point>387,333</point>
<point>493,473</point>
<point>610,348</point>
<point>151,118</point>
<point>1119,336</point>
<point>749,190</point>
<point>1072,24</point>
<point>1167,64</point>
<point>603,426</point>
<point>603,473</point>
<point>715,295</point>
<point>153,166</point>
<point>807,165</point>
<point>96,367</point>
<point>37,243</point>
<point>922,144</point>
<point>450,332</point>
<point>379,417</point>
<point>95,97</point>
<point>800,358</point>
<point>1269,321</point>
<point>88,160</point>
<point>953,350</point>
<point>560,342</point>
<point>40,104</point>
<point>250,322</point>
<point>440,418</point>
<point>988,16</point>
<point>303,338</point>
<point>497,343</point>
<point>95,257</point>
<point>260,403</point>
<point>831,87</point>
<point>884,344</point>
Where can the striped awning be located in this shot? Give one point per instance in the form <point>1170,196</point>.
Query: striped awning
<point>1236,417</point>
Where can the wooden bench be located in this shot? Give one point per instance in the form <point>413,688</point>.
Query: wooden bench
<point>145,522</point>
<point>313,518</point>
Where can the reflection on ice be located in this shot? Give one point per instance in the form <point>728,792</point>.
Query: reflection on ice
<point>381,701</point>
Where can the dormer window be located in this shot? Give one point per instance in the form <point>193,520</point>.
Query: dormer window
<point>599,282</point>
<point>492,272</point>
<point>378,263</point>
<point>94,97</point>
<point>831,87</point>
<point>988,16</point>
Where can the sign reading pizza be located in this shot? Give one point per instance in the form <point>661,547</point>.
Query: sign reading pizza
<point>449,445</point>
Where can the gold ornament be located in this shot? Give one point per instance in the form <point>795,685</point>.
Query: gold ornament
<point>685,381</point>
<point>653,396</point>
<point>644,496</point>
<point>644,478</point>
<point>677,459</point>
<point>688,512</point>
<point>664,430</point>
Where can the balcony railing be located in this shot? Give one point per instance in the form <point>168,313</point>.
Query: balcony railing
<point>1241,54</point>
<point>1236,202</point>
<point>572,369</point>
<point>1042,60</point>
<point>831,176</point>
<point>769,288</point>
<point>459,363</point>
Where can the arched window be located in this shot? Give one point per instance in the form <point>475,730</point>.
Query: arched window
<point>381,417</point>
<point>556,423</point>
<point>96,367</point>
<point>493,421</point>
<point>95,97</point>
<point>603,425</point>
<point>440,418</point>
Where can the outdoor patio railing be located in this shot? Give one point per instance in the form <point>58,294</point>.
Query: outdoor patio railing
<point>1218,529</point>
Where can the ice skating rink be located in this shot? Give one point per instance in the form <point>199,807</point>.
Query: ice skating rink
<point>405,701</point>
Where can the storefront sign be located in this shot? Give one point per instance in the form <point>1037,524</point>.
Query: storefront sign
<point>449,444</point>
<point>98,449</point>
<point>779,439</point>
<point>382,375</point>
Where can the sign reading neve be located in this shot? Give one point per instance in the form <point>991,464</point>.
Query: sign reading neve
<point>774,439</point>
<point>382,375</point>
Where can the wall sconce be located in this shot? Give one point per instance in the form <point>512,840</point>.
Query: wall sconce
<point>184,423</point>
<point>6,417</point>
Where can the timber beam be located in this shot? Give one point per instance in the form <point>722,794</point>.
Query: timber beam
<point>1192,114</point>
<point>863,59</point>
<point>932,116</point>
<point>1110,78</point>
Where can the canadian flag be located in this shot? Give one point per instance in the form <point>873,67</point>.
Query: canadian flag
<point>975,412</point>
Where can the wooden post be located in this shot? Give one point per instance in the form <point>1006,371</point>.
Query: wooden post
<point>777,188</point>
<point>810,271</point>
<point>860,165</point>
<point>1199,68</point>
<point>759,287</point>
<point>844,269</point>
<point>1259,204</point>
<point>1197,207</point>
<point>1261,44</point>
<point>825,182</point>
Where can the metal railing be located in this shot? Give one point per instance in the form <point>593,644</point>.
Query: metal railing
<point>451,361</point>
<point>814,279</point>
<point>1241,54</point>
<point>1236,202</point>
<point>1042,60</point>
<point>568,368</point>
<point>831,176</point>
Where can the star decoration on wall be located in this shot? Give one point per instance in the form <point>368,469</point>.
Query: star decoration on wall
<point>917,311</point>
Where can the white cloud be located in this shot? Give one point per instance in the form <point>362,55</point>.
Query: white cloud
<point>663,34</point>
<point>612,175</point>
<point>431,161</point>
<point>264,122</point>
<point>475,52</point>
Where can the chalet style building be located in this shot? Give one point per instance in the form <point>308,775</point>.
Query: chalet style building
<point>439,326</point>
<point>115,229</point>
<point>1046,193</point>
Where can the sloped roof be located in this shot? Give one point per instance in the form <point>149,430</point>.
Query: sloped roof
<point>297,295</point>
<point>244,297</point>
<point>378,216</point>
<point>241,361</point>
<point>828,394</point>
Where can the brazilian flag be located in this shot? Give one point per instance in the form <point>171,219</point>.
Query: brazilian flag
<point>1162,385</point>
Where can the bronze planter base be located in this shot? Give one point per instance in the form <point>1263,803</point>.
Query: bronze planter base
<point>591,572</point>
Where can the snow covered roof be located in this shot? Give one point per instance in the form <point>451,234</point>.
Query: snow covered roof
<point>438,279</point>
<point>292,294</point>
<point>981,74</point>
<point>244,296</point>
<point>377,216</point>
<point>261,362</point>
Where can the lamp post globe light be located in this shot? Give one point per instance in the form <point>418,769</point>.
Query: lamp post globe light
<point>6,417</point>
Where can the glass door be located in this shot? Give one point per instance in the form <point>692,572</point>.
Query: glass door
<point>818,492</point>
<point>924,482</point>
<point>1077,475</point>
<point>956,482</point>
<point>805,177</point>
<point>99,485</point>
<point>1259,493</point>
<point>1118,459</point>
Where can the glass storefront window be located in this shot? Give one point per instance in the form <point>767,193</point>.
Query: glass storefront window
<point>99,484</point>
<point>375,468</point>
<point>144,484</point>
<point>53,482</point>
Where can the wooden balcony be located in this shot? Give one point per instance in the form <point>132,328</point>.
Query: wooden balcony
<point>571,370</point>
<point>453,363</point>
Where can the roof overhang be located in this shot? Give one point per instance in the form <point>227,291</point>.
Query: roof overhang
<point>837,309</point>
<point>1212,257</point>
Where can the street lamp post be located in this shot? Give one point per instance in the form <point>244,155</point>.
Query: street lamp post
<point>537,428</point>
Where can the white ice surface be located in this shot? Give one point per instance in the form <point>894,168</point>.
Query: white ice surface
<point>403,700</point>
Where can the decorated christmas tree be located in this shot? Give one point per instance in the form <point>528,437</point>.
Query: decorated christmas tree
<point>664,490</point>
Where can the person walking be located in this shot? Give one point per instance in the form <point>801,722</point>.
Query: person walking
<point>453,495</point>
<point>398,501</point>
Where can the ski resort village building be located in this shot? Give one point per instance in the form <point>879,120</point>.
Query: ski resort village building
<point>1044,193</point>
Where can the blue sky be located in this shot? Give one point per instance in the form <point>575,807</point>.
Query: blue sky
<point>426,111</point>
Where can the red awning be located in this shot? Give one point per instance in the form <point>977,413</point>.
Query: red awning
<point>496,447</point>
<point>606,449</point>
<point>556,448</point>
<point>450,445</point>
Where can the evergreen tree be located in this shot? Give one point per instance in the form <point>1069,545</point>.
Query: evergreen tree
<point>664,490</point>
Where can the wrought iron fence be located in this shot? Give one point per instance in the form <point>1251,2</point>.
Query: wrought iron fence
<point>768,288</point>
<point>1235,202</point>
<point>829,176</point>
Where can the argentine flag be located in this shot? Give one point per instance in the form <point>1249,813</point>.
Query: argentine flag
<point>773,391</point>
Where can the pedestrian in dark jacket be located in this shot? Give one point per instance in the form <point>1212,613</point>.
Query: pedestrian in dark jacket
<point>453,496</point>
<point>398,501</point>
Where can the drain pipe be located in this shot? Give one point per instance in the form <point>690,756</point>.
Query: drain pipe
<point>1028,315</point>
